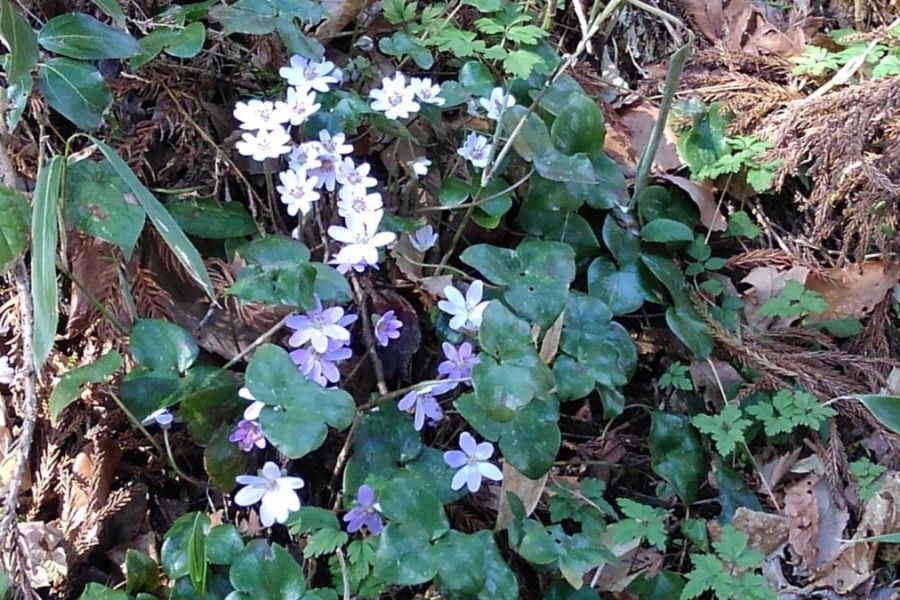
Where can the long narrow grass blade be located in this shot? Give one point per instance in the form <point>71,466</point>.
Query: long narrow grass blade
<point>44,239</point>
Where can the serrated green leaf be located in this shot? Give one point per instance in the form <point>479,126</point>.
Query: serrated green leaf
<point>324,541</point>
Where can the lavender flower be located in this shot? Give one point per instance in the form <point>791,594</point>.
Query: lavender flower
<point>466,312</point>
<point>387,328</point>
<point>472,463</point>
<point>366,513</point>
<point>459,361</point>
<point>161,417</point>
<point>423,239</point>
<point>425,403</point>
<point>276,493</point>
<point>321,367</point>
<point>248,435</point>
<point>318,326</point>
<point>477,150</point>
<point>498,102</point>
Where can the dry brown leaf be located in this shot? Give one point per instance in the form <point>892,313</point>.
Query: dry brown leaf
<point>708,376</point>
<point>802,514</point>
<point>45,548</point>
<point>853,565</point>
<point>774,471</point>
<point>550,344</point>
<point>765,532</point>
<point>854,290</point>
<point>702,195</point>
<point>628,133</point>
<point>340,14</point>
<point>528,490</point>
<point>766,282</point>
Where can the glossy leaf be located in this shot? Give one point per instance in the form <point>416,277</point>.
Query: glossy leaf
<point>665,231</point>
<point>14,226</point>
<point>20,39</point>
<point>142,572</point>
<point>76,90</point>
<point>112,9</point>
<point>603,347</point>
<point>885,408</point>
<point>174,551</point>
<point>677,454</point>
<point>162,346</point>
<point>168,229</point>
<point>44,239</point>
<point>196,554</point>
<point>277,272</point>
<point>206,218</point>
<point>579,126</point>
<point>99,204</point>
<point>265,571</point>
<point>305,409</point>
<point>81,36</point>
<point>72,383</point>
<point>405,556</point>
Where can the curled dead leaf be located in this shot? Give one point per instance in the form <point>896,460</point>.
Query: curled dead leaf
<point>854,290</point>
<point>765,532</point>
<point>528,491</point>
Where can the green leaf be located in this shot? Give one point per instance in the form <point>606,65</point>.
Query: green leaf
<point>621,290</point>
<point>95,591</point>
<point>740,225</point>
<point>885,408</point>
<point>461,562</point>
<point>579,127</point>
<point>420,511</point>
<point>168,229</point>
<point>81,36</point>
<point>14,226</point>
<point>223,544</point>
<point>196,554</point>
<point>305,408</point>
<point>402,44</point>
<point>476,79</point>
<point>690,329</point>
<point>76,90</point>
<point>72,383</point>
<point>44,239</point>
<point>324,541</point>
<point>111,9</point>
<point>19,39</point>
<point>454,191</point>
<point>677,454</point>
<point>162,346</point>
<point>733,491</point>
<point>188,43</point>
<point>666,230</point>
<point>277,272</point>
<point>267,572</point>
<point>223,460</point>
<point>726,428</point>
<point>643,523</point>
<point>99,204</point>
<point>405,557</point>
<point>207,218</point>
<point>175,546</point>
<point>536,276</point>
<point>142,572</point>
<point>521,63</point>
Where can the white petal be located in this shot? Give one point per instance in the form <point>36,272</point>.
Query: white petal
<point>460,478</point>
<point>249,495</point>
<point>490,471</point>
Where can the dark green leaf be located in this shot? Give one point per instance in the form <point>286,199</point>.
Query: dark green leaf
<point>403,502</point>
<point>402,44</point>
<point>476,79</point>
<point>267,572</point>
<point>677,454</point>
<point>196,554</point>
<point>579,127</point>
<point>168,229</point>
<point>99,204</point>
<point>76,90</point>
<point>533,140</point>
<point>665,584</point>
<point>555,165</point>
<point>81,36</point>
<point>885,408</point>
<point>331,286</point>
<point>175,546</point>
<point>162,346</point>
<point>14,226</point>
<point>690,329</point>
<point>461,563</point>
<point>666,230</point>
<point>621,290</point>
<point>44,239</point>
<point>112,9</point>
<point>223,543</point>
<point>95,591</point>
<point>305,408</point>
<point>72,383</point>
<point>142,572</point>
<point>603,347</point>
<point>188,43</point>
<point>19,39</point>
<point>223,460</point>
<point>733,491</point>
<point>277,272</point>
<point>405,556</point>
<point>256,17</point>
<point>207,218</point>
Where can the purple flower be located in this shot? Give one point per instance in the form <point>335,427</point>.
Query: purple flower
<point>366,513</point>
<point>426,405</point>
<point>321,367</point>
<point>387,328</point>
<point>459,361</point>
<point>248,435</point>
<point>318,326</point>
<point>472,463</point>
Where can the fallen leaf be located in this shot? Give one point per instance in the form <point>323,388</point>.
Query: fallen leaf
<point>708,376</point>
<point>765,532</point>
<point>340,14</point>
<point>854,290</point>
<point>628,133</point>
<point>528,491</point>
<point>44,546</point>
<point>774,471</point>
<point>550,344</point>
<point>853,565</point>
<point>766,282</point>
<point>702,195</point>
<point>802,514</point>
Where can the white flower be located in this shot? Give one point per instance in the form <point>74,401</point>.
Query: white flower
<point>299,104</point>
<point>276,492</point>
<point>309,75</point>
<point>420,166</point>
<point>423,239</point>
<point>362,238</point>
<point>161,417</point>
<point>497,103</point>
<point>466,312</point>
<point>305,156</point>
<point>358,201</point>
<point>472,463</point>
<point>426,92</point>
<point>254,409</point>
<point>297,191</point>
<point>334,144</point>
<point>261,115</point>
<point>264,144</point>
<point>394,98</point>
<point>352,175</point>
<point>326,172</point>
<point>7,372</point>
<point>476,150</point>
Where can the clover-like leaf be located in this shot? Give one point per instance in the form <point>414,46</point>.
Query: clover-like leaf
<point>265,571</point>
<point>298,411</point>
<point>601,346</point>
